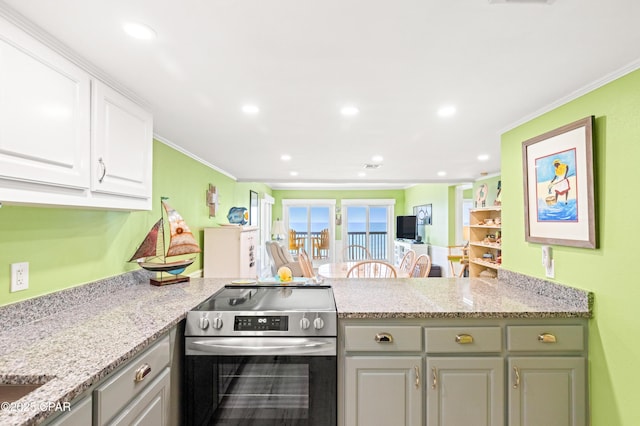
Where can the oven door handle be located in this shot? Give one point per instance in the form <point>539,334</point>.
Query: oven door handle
<point>257,346</point>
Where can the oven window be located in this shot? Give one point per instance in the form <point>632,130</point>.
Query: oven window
<point>265,390</point>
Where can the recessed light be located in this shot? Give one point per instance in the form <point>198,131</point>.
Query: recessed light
<point>285,157</point>
<point>349,110</point>
<point>442,174</point>
<point>362,174</point>
<point>250,109</point>
<point>377,159</point>
<point>293,173</point>
<point>447,111</point>
<point>483,157</point>
<point>139,31</point>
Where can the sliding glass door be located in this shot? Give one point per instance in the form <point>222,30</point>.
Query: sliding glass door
<point>310,226</point>
<point>368,223</point>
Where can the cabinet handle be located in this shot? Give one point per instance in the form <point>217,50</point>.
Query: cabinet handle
<point>464,339</point>
<point>384,338</point>
<point>104,170</point>
<point>547,338</point>
<point>417,371</point>
<point>142,372</point>
<point>517,374</point>
<point>434,378</point>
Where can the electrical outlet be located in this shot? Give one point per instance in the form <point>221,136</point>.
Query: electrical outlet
<point>19,276</point>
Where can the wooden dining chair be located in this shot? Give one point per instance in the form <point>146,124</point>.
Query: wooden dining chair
<point>407,262</point>
<point>305,264</point>
<point>458,254</point>
<point>421,267</point>
<point>321,245</point>
<point>372,269</point>
<point>355,252</point>
<point>295,242</point>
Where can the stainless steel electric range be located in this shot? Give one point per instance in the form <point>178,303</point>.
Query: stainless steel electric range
<point>262,355</point>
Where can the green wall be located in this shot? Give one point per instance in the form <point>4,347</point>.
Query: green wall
<point>606,271</point>
<point>439,196</point>
<point>68,247</point>
<point>338,195</point>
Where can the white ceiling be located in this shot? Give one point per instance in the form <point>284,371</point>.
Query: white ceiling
<point>300,61</point>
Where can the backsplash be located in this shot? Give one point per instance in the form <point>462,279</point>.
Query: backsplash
<point>24,312</point>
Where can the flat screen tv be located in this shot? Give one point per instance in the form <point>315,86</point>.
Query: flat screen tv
<point>406,227</point>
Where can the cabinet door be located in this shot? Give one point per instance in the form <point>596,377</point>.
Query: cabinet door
<point>122,144</point>
<point>383,391</point>
<point>44,113</point>
<point>80,415</point>
<point>151,407</point>
<point>547,391</point>
<point>465,391</point>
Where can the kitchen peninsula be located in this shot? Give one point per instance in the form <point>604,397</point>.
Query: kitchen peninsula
<point>74,340</point>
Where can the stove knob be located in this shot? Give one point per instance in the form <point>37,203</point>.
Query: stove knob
<point>304,323</point>
<point>318,323</point>
<point>217,323</point>
<point>204,323</point>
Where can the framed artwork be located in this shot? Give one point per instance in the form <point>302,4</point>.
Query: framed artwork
<point>253,208</point>
<point>423,214</point>
<point>558,186</point>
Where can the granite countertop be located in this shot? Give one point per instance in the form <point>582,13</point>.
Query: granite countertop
<point>72,339</point>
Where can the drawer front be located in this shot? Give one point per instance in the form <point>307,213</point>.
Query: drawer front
<point>545,338</point>
<point>383,339</point>
<point>462,339</point>
<point>115,393</point>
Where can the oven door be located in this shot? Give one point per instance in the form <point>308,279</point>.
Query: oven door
<point>260,381</point>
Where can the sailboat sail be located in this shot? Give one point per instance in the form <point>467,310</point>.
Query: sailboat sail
<point>149,247</point>
<point>182,241</point>
<point>151,254</point>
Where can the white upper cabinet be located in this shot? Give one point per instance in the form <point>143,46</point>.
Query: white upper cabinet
<point>44,113</point>
<point>66,138</point>
<point>122,137</point>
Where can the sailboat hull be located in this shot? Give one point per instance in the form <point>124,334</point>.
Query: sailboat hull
<point>169,267</point>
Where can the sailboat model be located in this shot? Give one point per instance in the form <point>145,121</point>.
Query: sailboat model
<point>152,256</point>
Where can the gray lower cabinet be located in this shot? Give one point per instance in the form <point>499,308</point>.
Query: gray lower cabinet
<point>79,415</point>
<point>150,408</point>
<point>465,391</point>
<point>484,372</point>
<point>383,390</point>
<point>548,391</point>
<point>138,392</point>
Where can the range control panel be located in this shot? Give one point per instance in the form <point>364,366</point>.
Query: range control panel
<point>261,323</point>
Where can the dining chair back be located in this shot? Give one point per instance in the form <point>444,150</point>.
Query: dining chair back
<point>421,267</point>
<point>458,254</point>
<point>321,245</point>
<point>406,264</point>
<point>305,264</point>
<point>372,269</point>
<point>295,242</point>
<point>355,252</point>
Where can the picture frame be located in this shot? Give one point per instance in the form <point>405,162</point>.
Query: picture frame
<point>253,208</point>
<point>423,214</point>
<point>559,187</point>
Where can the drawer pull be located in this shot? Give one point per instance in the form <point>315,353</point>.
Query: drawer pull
<point>104,170</point>
<point>517,374</point>
<point>547,338</point>
<point>434,378</point>
<point>384,338</point>
<point>464,339</point>
<point>142,372</point>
